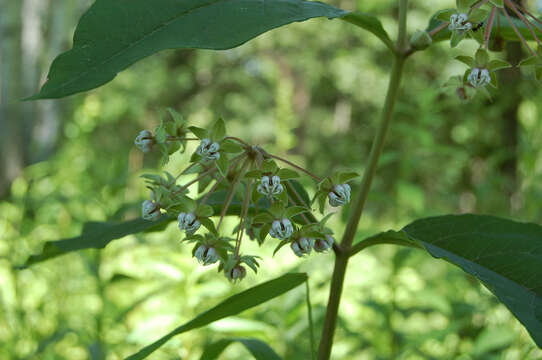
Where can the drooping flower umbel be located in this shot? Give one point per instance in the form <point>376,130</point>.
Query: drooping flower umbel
<point>270,186</point>
<point>479,77</point>
<point>150,210</point>
<point>188,222</point>
<point>302,246</point>
<point>144,141</point>
<point>322,245</point>
<point>340,195</point>
<point>208,150</point>
<point>281,229</point>
<point>206,255</point>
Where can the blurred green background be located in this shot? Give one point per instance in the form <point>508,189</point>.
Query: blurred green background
<point>311,91</point>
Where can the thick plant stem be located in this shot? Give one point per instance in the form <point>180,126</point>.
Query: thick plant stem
<point>341,261</point>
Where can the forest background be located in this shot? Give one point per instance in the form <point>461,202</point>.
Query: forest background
<point>311,90</point>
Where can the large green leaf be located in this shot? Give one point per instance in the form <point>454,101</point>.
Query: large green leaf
<point>506,256</point>
<point>113,35</point>
<point>258,349</point>
<point>95,235</point>
<point>506,31</point>
<point>231,306</point>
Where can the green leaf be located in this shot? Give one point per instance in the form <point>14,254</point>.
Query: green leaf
<point>209,225</point>
<point>482,58</point>
<point>300,190</point>
<point>370,23</point>
<point>346,176</point>
<point>95,235</point>
<point>478,15</point>
<point>269,166</point>
<point>258,349</point>
<point>113,35</point>
<point>231,306</point>
<point>505,255</point>
<point>287,174</point>
<point>218,131</point>
<point>533,60</point>
<point>263,218</point>
<point>253,174</point>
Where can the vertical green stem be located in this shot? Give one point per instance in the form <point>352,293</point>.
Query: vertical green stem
<point>341,261</point>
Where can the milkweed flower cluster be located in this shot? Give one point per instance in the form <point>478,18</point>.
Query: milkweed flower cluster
<point>228,171</point>
<point>482,21</point>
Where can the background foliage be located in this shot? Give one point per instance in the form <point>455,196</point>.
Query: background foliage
<point>317,102</point>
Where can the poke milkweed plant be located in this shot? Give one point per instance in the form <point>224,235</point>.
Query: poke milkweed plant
<point>235,178</point>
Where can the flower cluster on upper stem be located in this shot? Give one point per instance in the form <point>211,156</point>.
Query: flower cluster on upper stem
<point>235,178</point>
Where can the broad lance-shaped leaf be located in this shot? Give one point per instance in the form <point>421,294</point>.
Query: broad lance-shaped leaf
<point>231,306</point>
<point>95,235</point>
<point>113,35</point>
<point>258,349</point>
<point>506,256</point>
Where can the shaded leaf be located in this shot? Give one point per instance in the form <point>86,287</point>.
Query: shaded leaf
<point>370,23</point>
<point>259,349</point>
<point>95,235</point>
<point>505,255</point>
<point>231,306</point>
<point>113,35</point>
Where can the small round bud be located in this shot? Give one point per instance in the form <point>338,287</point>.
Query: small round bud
<point>421,40</point>
<point>236,274</point>
<point>144,141</point>
<point>150,210</point>
<point>270,186</point>
<point>208,150</point>
<point>302,246</point>
<point>206,255</point>
<point>281,229</point>
<point>322,245</point>
<point>479,77</point>
<point>459,23</point>
<point>340,195</point>
<point>188,223</point>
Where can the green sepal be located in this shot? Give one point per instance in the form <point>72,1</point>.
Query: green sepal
<point>481,58</point>
<point>498,64</point>
<point>467,60</point>
<point>277,209</point>
<point>218,130</point>
<point>456,38</point>
<point>199,132</point>
<point>208,224</point>
<point>294,210</point>
<point>263,218</point>
<point>253,174</point>
<point>204,211</point>
<point>280,245</point>
<point>531,61</point>
<point>231,146</point>
<point>264,231</point>
<point>222,164</point>
<point>269,166</point>
<point>493,81</point>
<point>478,15</point>
<point>445,15</point>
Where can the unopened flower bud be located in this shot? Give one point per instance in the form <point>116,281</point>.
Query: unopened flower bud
<point>144,141</point>
<point>236,274</point>
<point>206,255</point>
<point>322,245</point>
<point>479,77</point>
<point>188,223</point>
<point>150,210</point>
<point>302,246</point>
<point>340,195</point>
<point>421,40</point>
<point>281,229</point>
<point>270,186</point>
<point>460,23</point>
<point>208,150</point>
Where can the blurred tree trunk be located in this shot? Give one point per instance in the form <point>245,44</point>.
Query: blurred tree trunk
<point>11,139</point>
